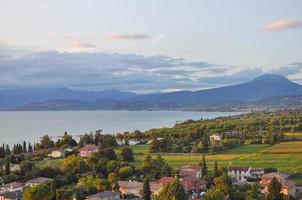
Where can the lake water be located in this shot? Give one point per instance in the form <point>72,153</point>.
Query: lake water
<point>30,125</point>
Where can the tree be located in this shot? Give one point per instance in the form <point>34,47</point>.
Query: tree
<point>7,166</point>
<point>126,172</point>
<point>30,148</point>
<point>215,170</point>
<point>24,147</point>
<point>127,154</point>
<point>274,190</point>
<point>46,143</point>
<point>205,144</point>
<point>146,193</point>
<point>203,166</point>
<point>44,191</point>
<point>254,193</point>
<point>26,166</point>
<point>70,164</point>
<point>173,190</point>
<point>214,194</point>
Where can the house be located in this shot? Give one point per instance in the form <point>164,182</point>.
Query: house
<point>106,195</point>
<point>256,173</point>
<point>215,137</point>
<point>12,187</point>
<point>37,181</point>
<point>239,174</point>
<point>133,142</point>
<point>57,154</point>
<point>130,188</point>
<point>155,188</point>
<point>16,195</point>
<point>190,184</point>
<point>166,180</point>
<point>288,187</point>
<point>193,184</point>
<point>135,188</point>
<point>87,150</point>
<point>193,171</point>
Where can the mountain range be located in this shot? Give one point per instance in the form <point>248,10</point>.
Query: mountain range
<point>264,92</point>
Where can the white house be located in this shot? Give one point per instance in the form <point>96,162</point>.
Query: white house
<point>57,154</point>
<point>12,187</point>
<point>215,137</point>
<point>239,174</point>
<point>256,173</point>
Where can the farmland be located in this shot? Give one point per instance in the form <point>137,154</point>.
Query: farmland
<point>286,156</point>
<point>255,155</point>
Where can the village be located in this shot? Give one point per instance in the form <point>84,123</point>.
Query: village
<point>194,178</point>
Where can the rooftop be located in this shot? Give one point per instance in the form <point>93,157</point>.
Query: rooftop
<point>89,147</point>
<point>39,180</point>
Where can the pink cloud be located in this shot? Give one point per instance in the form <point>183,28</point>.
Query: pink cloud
<point>281,25</point>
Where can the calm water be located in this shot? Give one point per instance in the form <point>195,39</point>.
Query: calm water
<point>29,126</point>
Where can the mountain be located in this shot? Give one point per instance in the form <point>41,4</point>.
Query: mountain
<point>264,86</point>
<point>11,98</point>
<point>263,92</point>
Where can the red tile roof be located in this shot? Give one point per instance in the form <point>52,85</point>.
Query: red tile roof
<point>166,180</point>
<point>89,147</point>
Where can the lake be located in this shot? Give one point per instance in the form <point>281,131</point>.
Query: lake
<point>30,125</point>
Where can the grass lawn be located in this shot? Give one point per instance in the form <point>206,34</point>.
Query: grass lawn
<point>285,147</point>
<point>48,163</point>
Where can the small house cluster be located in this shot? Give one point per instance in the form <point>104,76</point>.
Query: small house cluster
<point>243,175</point>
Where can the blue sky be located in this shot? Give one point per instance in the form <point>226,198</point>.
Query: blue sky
<point>238,40</point>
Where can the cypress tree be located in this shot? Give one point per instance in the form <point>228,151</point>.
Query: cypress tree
<point>146,189</point>
<point>204,167</point>
<point>24,147</point>
<point>7,167</point>
<point>274,190</point>
<point>215,170</point>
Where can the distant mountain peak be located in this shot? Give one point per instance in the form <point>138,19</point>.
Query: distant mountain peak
<point>271,77</point>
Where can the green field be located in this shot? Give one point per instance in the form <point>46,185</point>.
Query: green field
<point>254,155</point>
<point>48,163</point>
<point>287,157</point>
<point>293,135</point>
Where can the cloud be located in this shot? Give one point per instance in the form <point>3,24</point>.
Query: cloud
<point>129,72</point>
<point>78,46</point>
<point>281,25</point>
<point>131,36</point>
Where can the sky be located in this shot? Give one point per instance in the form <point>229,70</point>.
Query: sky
<point>147,46</point>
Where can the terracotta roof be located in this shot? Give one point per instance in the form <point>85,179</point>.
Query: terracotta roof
<point>166,180</point>
<point>155,186</point>
<point>193,183</point>
<point>89,147</point>
<point>271,175</point>
<point>234,168</point>
<point>130,185</point>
